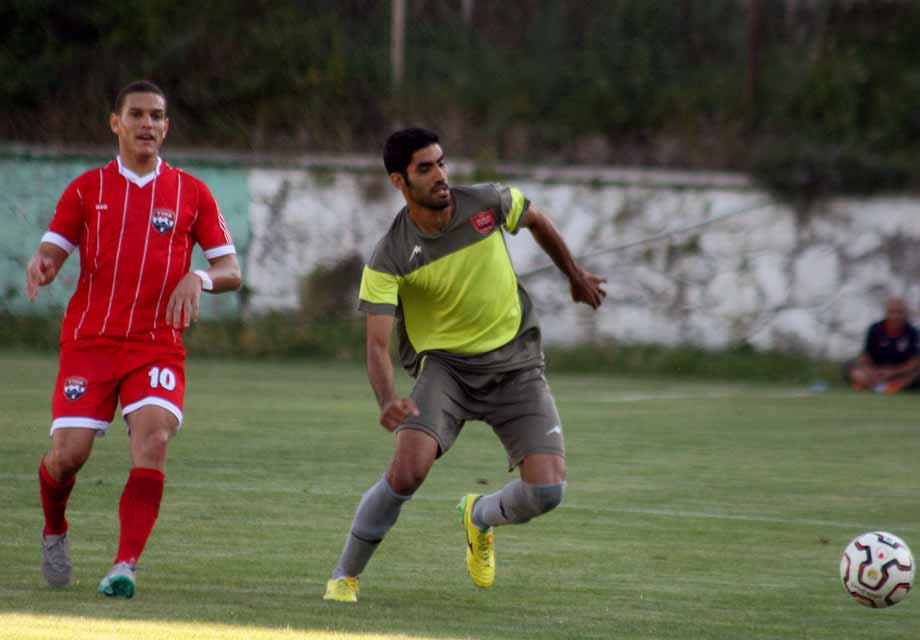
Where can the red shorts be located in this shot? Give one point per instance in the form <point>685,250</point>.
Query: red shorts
<point>96,374</point>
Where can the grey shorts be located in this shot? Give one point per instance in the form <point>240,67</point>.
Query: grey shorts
<point>517,405</point>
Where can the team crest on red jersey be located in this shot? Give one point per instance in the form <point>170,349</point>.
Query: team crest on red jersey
<point>163,220</point>
<point>484,221</point>
<point>74,387</point>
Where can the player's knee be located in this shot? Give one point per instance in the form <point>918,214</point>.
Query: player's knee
<point>149,448</point>
<point>550,496</point>
<point>406,480</point>
<point>406,484</point>
<point>534,500</point>
<point>547,497</point>
<point>66,463</point>
<point>65,460</point>
<point>154,442</point>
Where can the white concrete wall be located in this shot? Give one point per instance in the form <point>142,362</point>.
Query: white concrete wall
<point>767,275</point>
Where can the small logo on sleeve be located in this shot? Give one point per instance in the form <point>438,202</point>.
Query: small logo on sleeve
<point>163,220</point>
<point>484,221</point>
<point>74,387</point>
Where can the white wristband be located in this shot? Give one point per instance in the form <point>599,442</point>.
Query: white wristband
<point>206,283</point>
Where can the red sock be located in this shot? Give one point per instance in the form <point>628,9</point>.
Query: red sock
<point>54,500</point>
<point>138,510</point>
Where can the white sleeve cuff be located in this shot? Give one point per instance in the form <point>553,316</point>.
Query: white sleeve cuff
<point>217,252</point>
<point>58,240</point>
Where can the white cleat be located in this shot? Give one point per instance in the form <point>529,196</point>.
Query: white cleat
<point>56,566</point>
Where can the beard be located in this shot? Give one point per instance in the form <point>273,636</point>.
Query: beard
<point>427,200</point>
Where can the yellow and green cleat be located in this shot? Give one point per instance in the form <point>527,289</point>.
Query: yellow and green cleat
<point>480,545</point>
<point>342,589</point>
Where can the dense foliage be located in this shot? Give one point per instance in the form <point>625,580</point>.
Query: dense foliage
<point>811,95</point>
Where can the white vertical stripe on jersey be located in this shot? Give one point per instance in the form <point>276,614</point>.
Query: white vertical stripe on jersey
<point>186,259</point>
<point>83,244</point>
<point>140,273</point>
<point>223,226</point>
<point>89,293</point>
<point>121,234</point>
<point>156,313</point>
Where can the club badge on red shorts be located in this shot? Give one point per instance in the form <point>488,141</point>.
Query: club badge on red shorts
<point>163,220</point>
<point>484,221</point>
<point>74,387</point>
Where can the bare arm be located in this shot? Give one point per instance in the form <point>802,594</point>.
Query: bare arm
<point>225,273</point>
<point>43,267</point>
<point>586,287</point>
<point>380,373</point>
<point>183,306</point>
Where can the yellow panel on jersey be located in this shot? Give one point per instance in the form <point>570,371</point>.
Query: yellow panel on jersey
<point>455,292</point>
<point>466,302</point>
<point>379,288</point>
<point>517,210</point>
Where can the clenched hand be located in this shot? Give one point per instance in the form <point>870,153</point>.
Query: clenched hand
<point>396,411</point>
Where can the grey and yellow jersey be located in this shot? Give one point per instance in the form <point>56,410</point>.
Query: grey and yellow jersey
<point>455,293</point>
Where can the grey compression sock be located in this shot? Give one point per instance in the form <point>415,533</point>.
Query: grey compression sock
<point>376,514</point>
<point>516,503</point>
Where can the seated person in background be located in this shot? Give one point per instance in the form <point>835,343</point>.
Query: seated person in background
<point>891,357</point>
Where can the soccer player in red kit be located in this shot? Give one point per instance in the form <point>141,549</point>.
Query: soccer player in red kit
<point>135,221</point>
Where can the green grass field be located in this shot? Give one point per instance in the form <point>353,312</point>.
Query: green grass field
<point>693,511</point>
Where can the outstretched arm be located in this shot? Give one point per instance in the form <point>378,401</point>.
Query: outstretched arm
<point>224,275</point>
<point>43,267</point>
<point>393,409</point>
<point>586,287</point>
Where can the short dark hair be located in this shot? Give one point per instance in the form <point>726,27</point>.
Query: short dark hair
<point>138,86</point>
<point>399,147</point>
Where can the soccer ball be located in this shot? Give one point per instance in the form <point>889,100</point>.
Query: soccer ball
<point>877,569</point>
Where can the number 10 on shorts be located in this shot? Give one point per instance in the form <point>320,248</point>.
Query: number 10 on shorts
<point>162,378</point>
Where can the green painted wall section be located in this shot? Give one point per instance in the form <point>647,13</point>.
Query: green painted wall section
<point>31,188</point>
<point>230,187</point>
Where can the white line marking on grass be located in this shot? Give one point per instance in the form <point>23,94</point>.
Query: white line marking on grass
<point>667,513</point>
<point>615,398</point>
<point>676,513</point>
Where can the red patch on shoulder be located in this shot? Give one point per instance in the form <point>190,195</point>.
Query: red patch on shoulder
<point>484,221</point>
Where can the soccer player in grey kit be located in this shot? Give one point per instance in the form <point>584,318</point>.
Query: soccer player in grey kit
<point>467,331</point>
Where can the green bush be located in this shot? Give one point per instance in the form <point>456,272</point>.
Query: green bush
<point>737,363</point>
<point>278,335</point>
<point>38,332</point>
<point>288,335</point>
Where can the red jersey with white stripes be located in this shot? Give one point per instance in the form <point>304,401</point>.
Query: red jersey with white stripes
<point>136,235</point>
